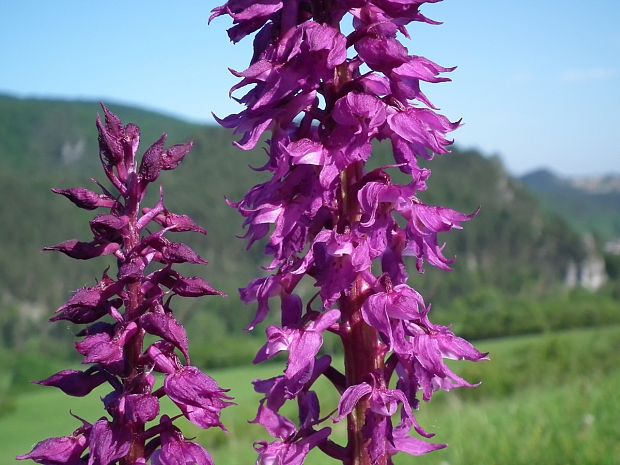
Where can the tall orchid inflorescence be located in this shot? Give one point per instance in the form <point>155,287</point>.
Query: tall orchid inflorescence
<point>325,96</point>
<point>115,348</point>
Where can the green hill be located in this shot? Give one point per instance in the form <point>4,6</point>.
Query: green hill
<point>590,207</point>
<point>513,247</point>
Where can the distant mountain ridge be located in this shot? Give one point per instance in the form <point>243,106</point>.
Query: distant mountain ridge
<point>607,184</point>
<point>590,205</point>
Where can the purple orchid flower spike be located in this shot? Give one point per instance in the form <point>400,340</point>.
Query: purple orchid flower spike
<point>133,305</point>
<point>324,98</point>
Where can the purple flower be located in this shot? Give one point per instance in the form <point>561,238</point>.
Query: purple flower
<point>289,452</point>
<point>381,401</point>
<point>165,326</point>
<point>328,220</point>
<point>84,250</point>
<point>75,383</point>
<point>197,395</point>
<point>108,443</point>
<point>137,303</point>
<point>105,349</point>
<point>59,451</point>
<point>175,450</point>
<point>384,310</point>
<point>85,198</point>
<point>303,345</point>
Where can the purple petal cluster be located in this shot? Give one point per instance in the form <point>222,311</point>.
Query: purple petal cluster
<point>323,98</point>
<point>118,313</point>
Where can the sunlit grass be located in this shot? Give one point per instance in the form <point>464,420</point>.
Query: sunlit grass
<point>546,400</point>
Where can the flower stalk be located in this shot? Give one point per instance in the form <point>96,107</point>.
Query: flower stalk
<point>328,219</point>
<point>118,313</point>
<point>363,357</point>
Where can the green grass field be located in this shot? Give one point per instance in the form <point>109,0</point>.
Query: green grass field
<point>545,400</point>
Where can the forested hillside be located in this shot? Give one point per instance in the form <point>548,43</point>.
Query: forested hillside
<point>589,205</point>
<point>513,247</point>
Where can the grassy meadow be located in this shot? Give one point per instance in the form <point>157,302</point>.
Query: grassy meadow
<point>548,399</point>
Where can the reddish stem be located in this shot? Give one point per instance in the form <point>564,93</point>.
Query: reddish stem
<point>134,349</point>
<point>363,356</point>
<point>363,352</point>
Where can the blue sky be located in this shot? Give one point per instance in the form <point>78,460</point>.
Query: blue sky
<point>538,82</point>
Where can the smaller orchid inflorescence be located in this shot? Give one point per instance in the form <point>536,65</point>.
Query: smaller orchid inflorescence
<point>115,348</point>
<point>324,98</point>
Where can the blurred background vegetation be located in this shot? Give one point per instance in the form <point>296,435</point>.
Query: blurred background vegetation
<point>538,272</point>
